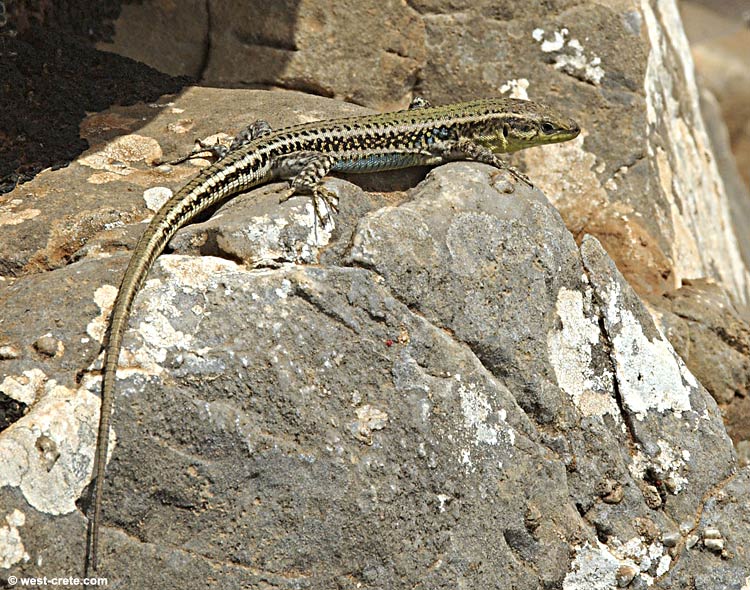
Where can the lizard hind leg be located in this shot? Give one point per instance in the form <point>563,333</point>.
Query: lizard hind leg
<point>253,131</point>
<point>218,151</point>
<point>309,181</point>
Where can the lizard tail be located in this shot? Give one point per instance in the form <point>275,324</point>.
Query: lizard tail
<point>194,198</point>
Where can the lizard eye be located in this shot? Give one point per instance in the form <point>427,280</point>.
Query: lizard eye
<point>548,128</point>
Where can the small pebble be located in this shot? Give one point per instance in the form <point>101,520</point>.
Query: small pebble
<point>532,518</point>
<point>625,574</point>
<point>715,545</point>
<point>652,497</point>
<point>671,539</point>
<point>610,491</point>
<point>8,352</point>
<point>691,541</point>
<point>47,345</point>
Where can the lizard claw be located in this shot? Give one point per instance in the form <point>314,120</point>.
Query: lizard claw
<point>518,175</point>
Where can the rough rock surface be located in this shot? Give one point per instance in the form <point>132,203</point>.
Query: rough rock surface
<point>642,177</point>
<point>451,386</point>
<point>644,181</point>
<point>455,396</point>
<point>709,334</point>
<point>738,191</point>
<point>720,43</point>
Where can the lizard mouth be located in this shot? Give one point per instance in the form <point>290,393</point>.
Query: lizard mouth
<point>573,129</point>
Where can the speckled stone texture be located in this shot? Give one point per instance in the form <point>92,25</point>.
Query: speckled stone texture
<point>654,184</point>
<point>452,385</point>
<point>456,395</point>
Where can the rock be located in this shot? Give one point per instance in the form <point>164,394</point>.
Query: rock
<point>726,513</point>
<point>45,226</point>
<point>720,44</point>
<point>48,345</point>
<point>708,332</point>
<point>450,385</point>
<point>737,190</point>
<point>641,177</point>
<point>454,347</point>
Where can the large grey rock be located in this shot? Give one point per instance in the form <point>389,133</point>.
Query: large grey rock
<point>647,177</point>
<point>456,397</point>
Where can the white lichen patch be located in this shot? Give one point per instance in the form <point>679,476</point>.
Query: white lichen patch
<point>517,88</point>
<point>9,215</point>
<point>665,561</point>
<point>639,552</point>
<point>115,158</point>
<point>669,465</point>
<point>156,196</point>
<point>570,352</point>
<point>48,454</point>
<point>593,568</point>
<point>156,330</point>
<point>650,374</point>
<point>196,273</point>
<point>181,126</point>
<point>24,388</point>
<point>614,565</point>
<point>285,290</point>
<point>570,56</point>
<point>319,233</point>
<point>486,425</point>
<point>443,499</point>
<point>555,44</point>
<point>12,550</point>
<point>369,419</point>
<point>266,233</point>
<point>104,297</point>
<point>156,304</point>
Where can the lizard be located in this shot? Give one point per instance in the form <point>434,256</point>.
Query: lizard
<point>422,135</point>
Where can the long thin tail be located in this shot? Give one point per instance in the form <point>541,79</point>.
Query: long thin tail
<point>198,195</point>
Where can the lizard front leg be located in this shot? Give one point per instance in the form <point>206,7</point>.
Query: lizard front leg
<point>478,153</point>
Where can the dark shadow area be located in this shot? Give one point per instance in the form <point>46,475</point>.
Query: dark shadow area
<point>52,75</point>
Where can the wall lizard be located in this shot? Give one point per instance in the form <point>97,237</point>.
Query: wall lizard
<point>305,153</point>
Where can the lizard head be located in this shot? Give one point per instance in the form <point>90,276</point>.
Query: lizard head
<point>521,124</point>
